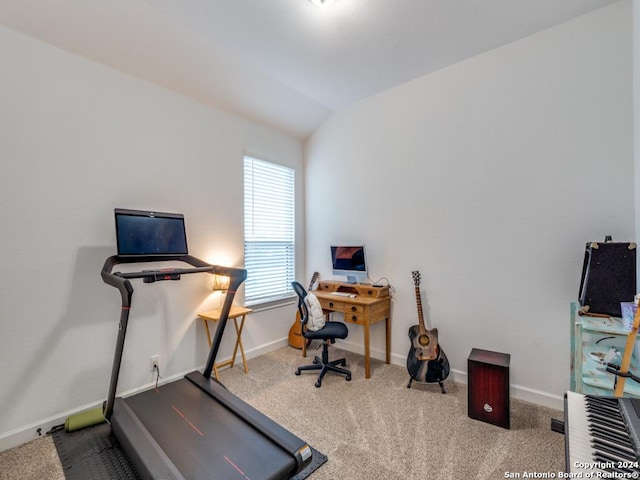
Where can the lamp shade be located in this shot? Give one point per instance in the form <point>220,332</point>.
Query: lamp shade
<point>220,282</point>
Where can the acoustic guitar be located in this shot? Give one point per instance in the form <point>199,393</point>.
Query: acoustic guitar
<point>296,340</point>
<point>426,362</point>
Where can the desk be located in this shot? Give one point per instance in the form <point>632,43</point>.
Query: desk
<point>369,305</point>
<point>234,313</point>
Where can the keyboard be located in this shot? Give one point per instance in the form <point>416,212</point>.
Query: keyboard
<point>343,294</point>
<point>601,436</point>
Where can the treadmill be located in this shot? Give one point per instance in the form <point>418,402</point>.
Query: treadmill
<point>193,428</point>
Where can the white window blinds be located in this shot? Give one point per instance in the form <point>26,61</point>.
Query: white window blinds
<point>269,253</point>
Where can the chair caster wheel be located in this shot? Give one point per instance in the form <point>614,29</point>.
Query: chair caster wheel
<point>348,378</point>
<point>318,384</point>
<point>315,361</point>
<point>297,372</point>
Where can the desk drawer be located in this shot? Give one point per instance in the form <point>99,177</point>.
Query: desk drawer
<point>352,313</point>
<point>333,305</point>
<point>353,309</point>
<point>351,317</point>
<point>339,306</point>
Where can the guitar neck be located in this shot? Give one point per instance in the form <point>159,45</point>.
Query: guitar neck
<point>313,280</point>
<point>420,313</point>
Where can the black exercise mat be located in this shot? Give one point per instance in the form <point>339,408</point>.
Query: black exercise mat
<point>94,453</point>
<point>316,462</point>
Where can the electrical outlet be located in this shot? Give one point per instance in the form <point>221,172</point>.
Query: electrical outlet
<point>154,362</point>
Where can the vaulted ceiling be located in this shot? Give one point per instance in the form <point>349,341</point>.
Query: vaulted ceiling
<point>284,63</point>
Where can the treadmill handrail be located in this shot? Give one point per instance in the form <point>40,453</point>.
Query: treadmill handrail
<point>121,281</point>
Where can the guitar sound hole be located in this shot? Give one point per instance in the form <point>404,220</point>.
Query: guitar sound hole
<point>424,341</point>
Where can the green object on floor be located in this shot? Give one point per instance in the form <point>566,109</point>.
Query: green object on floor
<point>84,419</point>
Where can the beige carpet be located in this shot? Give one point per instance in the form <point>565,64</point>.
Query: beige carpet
<point>35,460</point>
<point>369,429</point>
<point>379,429</point>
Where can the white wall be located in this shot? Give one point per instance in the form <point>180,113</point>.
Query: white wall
<point>636,115</point>
<point>488,177</point>
<point>77,140</point>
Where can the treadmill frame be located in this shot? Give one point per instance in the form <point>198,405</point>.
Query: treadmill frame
<point>148,457</point>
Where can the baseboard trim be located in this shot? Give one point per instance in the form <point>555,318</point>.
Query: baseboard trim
<point>18,436</point>
<point>519,392</point>
<point>27,433</point>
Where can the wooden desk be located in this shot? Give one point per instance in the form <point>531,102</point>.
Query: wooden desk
<point>370,305</point>
<point>234,313</point>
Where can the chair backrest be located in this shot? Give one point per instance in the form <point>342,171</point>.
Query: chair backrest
<point>302,306</point>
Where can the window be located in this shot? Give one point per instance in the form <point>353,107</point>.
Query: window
<point>269,252</point>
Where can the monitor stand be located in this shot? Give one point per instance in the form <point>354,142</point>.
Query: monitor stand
<point>352,279</point>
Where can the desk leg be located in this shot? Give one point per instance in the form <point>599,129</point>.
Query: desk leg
<point>367,351</point>
<point>388,324</point>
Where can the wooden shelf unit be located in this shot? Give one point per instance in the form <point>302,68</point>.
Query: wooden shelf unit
<point>363,289</point>
<point>591,339</point>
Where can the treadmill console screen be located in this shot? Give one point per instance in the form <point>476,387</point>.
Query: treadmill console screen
<point>140,233</point>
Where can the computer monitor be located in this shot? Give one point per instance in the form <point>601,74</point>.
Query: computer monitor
<point>349,261</point>
<point>144,233</point>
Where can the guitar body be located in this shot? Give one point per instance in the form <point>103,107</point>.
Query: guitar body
<point>424,370</point>
<point>296,340</point>
<point>426,361</point>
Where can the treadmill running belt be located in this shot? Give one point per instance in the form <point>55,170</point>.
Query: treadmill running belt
<point>202,438</point>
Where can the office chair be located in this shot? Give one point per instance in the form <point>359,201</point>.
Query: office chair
<point>328,333</point>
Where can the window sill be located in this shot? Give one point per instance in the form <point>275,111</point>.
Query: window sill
<point>262,305</point>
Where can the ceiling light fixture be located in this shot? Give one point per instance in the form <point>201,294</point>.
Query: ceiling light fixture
<point>322,3</point>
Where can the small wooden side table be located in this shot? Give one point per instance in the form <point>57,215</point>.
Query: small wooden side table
<point>234,313</point>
